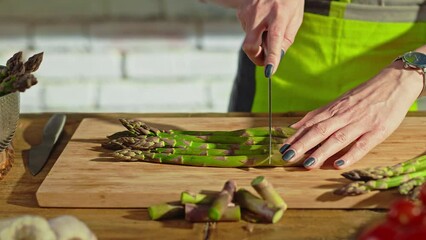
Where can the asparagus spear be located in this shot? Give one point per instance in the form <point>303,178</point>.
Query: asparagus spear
<point>268,192</point>
<point>414,193</point>
<point>406,187</point>
<point>4,72</point>
<point>15,65</point>
<point>222,200</point>
<point>366,174</point>
<point>140,128</point>
<point>165,211</point>
<point>147,143</point>
<point>257,206</point>
<point>199,213</point>
<point>209,152</point>
<point>206,161</point>
<point>196,198</point>
<point>212,139</point>
<point>360,187</point>
<point>33,63</point>
<point>16,76</point>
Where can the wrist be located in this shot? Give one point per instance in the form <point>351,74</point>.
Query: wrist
<point>411,67</point>
<point>412,78</point>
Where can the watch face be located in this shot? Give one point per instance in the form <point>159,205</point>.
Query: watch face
<point>416,59</point>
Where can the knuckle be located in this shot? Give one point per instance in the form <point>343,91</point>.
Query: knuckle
<point>249,47</point>
<point>332,110</point>
<point>362,146</point>
<point>308,124</point>
<point>290,38</point>
<point>275,33</point>
<point>320,128</point>
<point>299,147</point>
<point>340,137</point>
<point>273,56</point>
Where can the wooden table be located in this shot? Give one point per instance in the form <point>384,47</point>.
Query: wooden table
<point>17,197</point>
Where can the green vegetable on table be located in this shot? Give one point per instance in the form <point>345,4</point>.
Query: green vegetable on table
<point>409,166</point>
<point>239,148</point>
<point>138,127</point>
<point>264,211</point>
<point>222,200</point>
<point>229,204</point>
<point>406,176</point>
<point>196,160</point>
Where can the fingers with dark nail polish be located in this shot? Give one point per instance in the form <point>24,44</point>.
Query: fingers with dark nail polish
<point>339,163</point>
<point>282,54</point>
<point>268,70</point>
<point>309,162</point>
<point>284,148</point>
<point>289,155</point>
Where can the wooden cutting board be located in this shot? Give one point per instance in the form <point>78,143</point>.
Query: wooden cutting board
<point>86,176</point>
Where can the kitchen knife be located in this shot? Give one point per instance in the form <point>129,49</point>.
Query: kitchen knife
<point>269,76</point>
<point>38,155</point>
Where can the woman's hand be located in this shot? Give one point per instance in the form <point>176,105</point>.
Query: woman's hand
<point>365,116</point>
<point>281,20</point>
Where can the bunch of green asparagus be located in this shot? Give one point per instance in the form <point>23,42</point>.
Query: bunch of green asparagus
<point>239,148</point>
<point>227,205</point>
<point>408,176</point>
<point>16,75</point>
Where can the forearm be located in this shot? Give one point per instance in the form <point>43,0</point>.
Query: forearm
<point>224,3</point>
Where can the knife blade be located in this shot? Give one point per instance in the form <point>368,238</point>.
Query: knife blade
<point>38,155</point>
<point>270,118</point>
<point>269,76</point>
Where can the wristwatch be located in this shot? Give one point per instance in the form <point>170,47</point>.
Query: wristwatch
<point>414,60</point>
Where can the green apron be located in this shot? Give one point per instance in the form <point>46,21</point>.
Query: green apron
<point>332,55</point>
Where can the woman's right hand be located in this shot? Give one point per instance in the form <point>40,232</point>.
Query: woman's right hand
<point>280,18</point>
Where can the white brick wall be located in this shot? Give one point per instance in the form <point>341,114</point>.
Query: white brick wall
<point>133,8</point>
<point>51,9</point>
<point>70,96</point>
<point>76,65</point>
<point>60,37</point>
<point>142,36</point>
<point>194,9</point>
<point>181,64</point>
<point>149,96</point>
<point>222,36</point>
<point>130,55</point>
<point>31,99</point>
<point>220,92</point>
<point>13,37</point>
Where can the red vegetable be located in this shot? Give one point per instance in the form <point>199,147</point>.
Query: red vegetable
<point>387,230</point>
<point>422,195</point>
<point>405,212</point>
<point>413,234</point>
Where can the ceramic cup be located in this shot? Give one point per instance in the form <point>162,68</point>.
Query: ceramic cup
<point>9,116</point>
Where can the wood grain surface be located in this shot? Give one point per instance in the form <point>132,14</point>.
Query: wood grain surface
<point>86,176</point>
<point>18,189</point>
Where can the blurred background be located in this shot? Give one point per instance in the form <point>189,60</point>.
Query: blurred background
<point>125,56</point>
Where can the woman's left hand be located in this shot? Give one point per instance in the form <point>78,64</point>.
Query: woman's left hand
<point>364,116</point>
